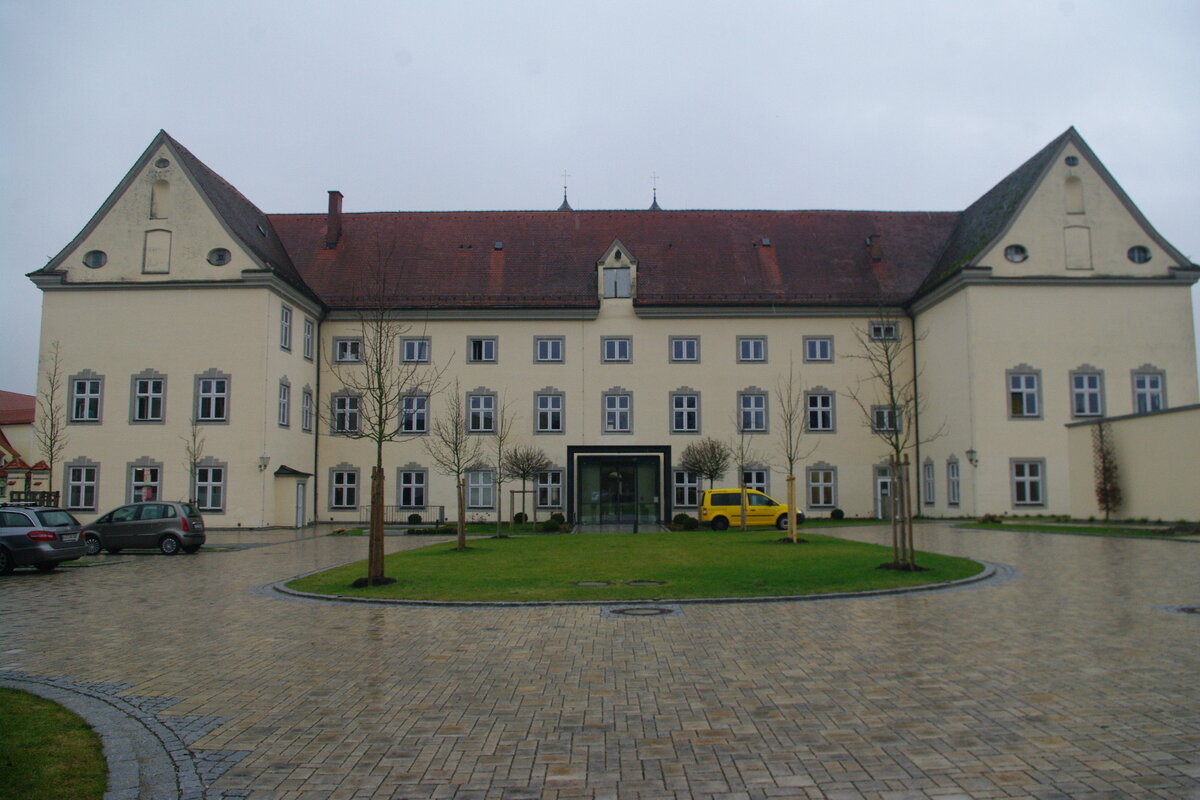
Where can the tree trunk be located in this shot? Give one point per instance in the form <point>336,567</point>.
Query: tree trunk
<point>791,502</point>
<point>892,490</point>
<point>462,515</point>
<point>375,536</point>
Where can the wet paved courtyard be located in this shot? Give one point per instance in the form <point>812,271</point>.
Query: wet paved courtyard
<point>1070,675</point>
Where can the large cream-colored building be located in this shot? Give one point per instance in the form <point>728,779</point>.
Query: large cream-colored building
<point>614,338</point>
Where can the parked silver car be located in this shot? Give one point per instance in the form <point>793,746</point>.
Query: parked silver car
<point>37,536</point>
<point>170,526</point>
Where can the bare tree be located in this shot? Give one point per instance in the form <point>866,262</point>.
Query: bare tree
<point>708,458</point>
<point>891,405</point>
<point>743,455</point>
<point>789,395</point>
<point>1104,461</point>
<point>501,433</point>
<point>375,381</point>
<point>193,449</point>
<point>525,462</point>
<point>455,451</point>
<point>50,429</point>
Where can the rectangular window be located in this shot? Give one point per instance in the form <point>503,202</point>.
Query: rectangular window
<point>1028,482</point>
<point>412,488</point>
<point>927,489</point>
<point>144,484</point>
<point>753,412</point>
<point>285,327</point>
<point>415,351</point>
<point>481,413</point>
<point>285,405</point>
<point>685,413</point>
<point>687,489</point>
<point>618,412</point>
<point>344,489</point>
<point>752,348</point>
<point>549,413</point>
<point>480,489</point>
<point>821,485</point>
<point>883,331</point>
<point>81,488</point>
<point>885,419</point>
<point>820,411</point>
<point>85,400</point>
<point>1023,395</point>
<point>309,336</point>
<point>617,348</point>
<point>548,349</point>
<point>549,489</point>
<point>347,351</point>
<point>1148,392</point>
<point>685,348</point>
<point>1086,394</point>
<point>481,350</point>
<point>414,414</point>
<point>755,479</point>
<point>617,282</point>
<point>149,399</point>
<point>213,405</point>
<point>210,488</point>
<point>818,348</point>
<point>345,413</point>
<point>952,488</point>
<point>306,410</point>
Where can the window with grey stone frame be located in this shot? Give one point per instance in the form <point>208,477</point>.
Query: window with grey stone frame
<point>820,481</point>
<point>483,349</point>
<point>143,480</point>
<point>752,349</point>
<point>347,350</point>
<point>414,414</point>
<point>754,410</point>
<point>481,488</point>
<point>685,410</point>
<point>412,486</point>
<point>1027,482</point>
<point>886,419</point>
<point>953,482</point>
<point>818,349</point>
<point>345,413</point>
<point>927,488</point>
<point>1149,389</point>
<point>820,410</point>
<point>687,487</point>
<point>310,335</point>
<point>1024,387</point>
<point>148,398</point>
<point>883,331</point>
<point>616,349</point>
<point>616,406</point>
<point>415,349</point>
<point>213,395</point>
<point>285,327</point>
<point>285,403</point>
<point>307,410</point>
<point>87,398</point>
<point>549,350</point>
<point>211,482</point>
<point>82,482</point>
<point>481,410</point>
<point>683,349</point>
<point>757,477</point>
<point>343,487</point>
<point>1087,391</point>
<point>549,411</point>
<point>549,488</point>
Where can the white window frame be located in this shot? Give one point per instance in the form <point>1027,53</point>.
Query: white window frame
<point>616,349</point>
<point>481,412</point>
<point>886,419</point>
<point>548,349</point>
<point>343,489</point>
<point>549,488</point>
<point>210,487</point>
<point>411,486</point>
<point>414,413</point>
<point>756,479</point>
<point>481,488</point>
<point>309,337</point>
<point>818,349</point>
<point>928,492</point>
<point>346,418</point>
<point>953,486</point>
<point>1028,477</point>
<point>883,331</point>
<point>306,410</point>
<point>86,395</point>
<point>145,482</point>
<point>687,488</point>
<point>685,349</point>
<point>285,327</point>
<point>618,412</point>
<point>819,409</point>
<point>752,349</point>
<point>285,405</point>
<point>685,412</point>
<point>548,412</point>
<point>1087,393</point>
<point>1149,391</point>
<point>1024,393</point>
<point>150,399</point>
<point>482,350</point>
<point>212,399</point>
<point>82,486</point>
<point>347,351</point>
<point>821,486</point>
<point>752,412</point>
<point>415,350</point>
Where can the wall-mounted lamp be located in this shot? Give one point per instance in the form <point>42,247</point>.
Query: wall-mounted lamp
<point>263,460</point>
<point>973,457</point>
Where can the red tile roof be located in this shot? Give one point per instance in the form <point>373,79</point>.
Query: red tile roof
<point>17,409</point>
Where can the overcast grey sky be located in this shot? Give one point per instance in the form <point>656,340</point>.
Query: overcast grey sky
<point>471,105</point>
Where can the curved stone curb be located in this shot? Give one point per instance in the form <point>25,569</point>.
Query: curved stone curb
<point>146,760</point>
<point>989,571</point>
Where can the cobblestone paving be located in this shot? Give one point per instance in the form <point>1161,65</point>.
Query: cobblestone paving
<point>1069,679</point>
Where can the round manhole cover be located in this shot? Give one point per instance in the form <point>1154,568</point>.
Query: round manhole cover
<point>592,583</point>
<point>645,583</point>
<point>643,611</point>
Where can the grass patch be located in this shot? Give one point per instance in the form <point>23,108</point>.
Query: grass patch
<point>1090,530</point>
<point>47,752</point>
<point>690,565</point>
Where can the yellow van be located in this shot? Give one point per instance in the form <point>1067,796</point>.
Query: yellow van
<point>721,508</point>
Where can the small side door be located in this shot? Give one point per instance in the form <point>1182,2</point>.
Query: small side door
<point>763,510</point>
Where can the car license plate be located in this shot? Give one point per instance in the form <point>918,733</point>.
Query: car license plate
<point>70,537</point>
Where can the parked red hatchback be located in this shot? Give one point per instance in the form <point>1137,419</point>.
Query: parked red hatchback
<point>166,525</point>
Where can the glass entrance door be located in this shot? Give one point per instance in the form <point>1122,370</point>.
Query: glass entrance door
<point>618,490</point>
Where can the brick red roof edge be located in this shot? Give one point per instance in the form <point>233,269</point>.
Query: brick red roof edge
<point>17,409</point>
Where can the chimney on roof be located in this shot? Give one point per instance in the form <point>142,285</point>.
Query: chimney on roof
<point>875,248</point>
<point>333,221</point>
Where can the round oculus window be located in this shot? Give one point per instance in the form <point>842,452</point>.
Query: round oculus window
<point>1072,160</point>
<point>162,163</point>
<point>95,259</point>
<point>1138,254</point>
<point>1016,253</point>
<point>218,256</point>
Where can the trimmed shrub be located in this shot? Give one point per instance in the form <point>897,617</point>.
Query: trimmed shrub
<point>550,526</point>
<point>837,513</point>
<point>559,517</point>
<point>414,519</point>
<point>991,519</point>
<point>520,518</point>
<point>680,518</point>
<point>690,523</point>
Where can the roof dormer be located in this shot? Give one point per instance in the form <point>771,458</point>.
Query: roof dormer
<point>617,272</point>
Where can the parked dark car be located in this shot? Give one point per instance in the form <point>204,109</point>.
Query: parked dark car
<point>170,526</point>
<point>37,536</point>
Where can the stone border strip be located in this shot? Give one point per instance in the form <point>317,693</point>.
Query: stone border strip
<point>989,571</point>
